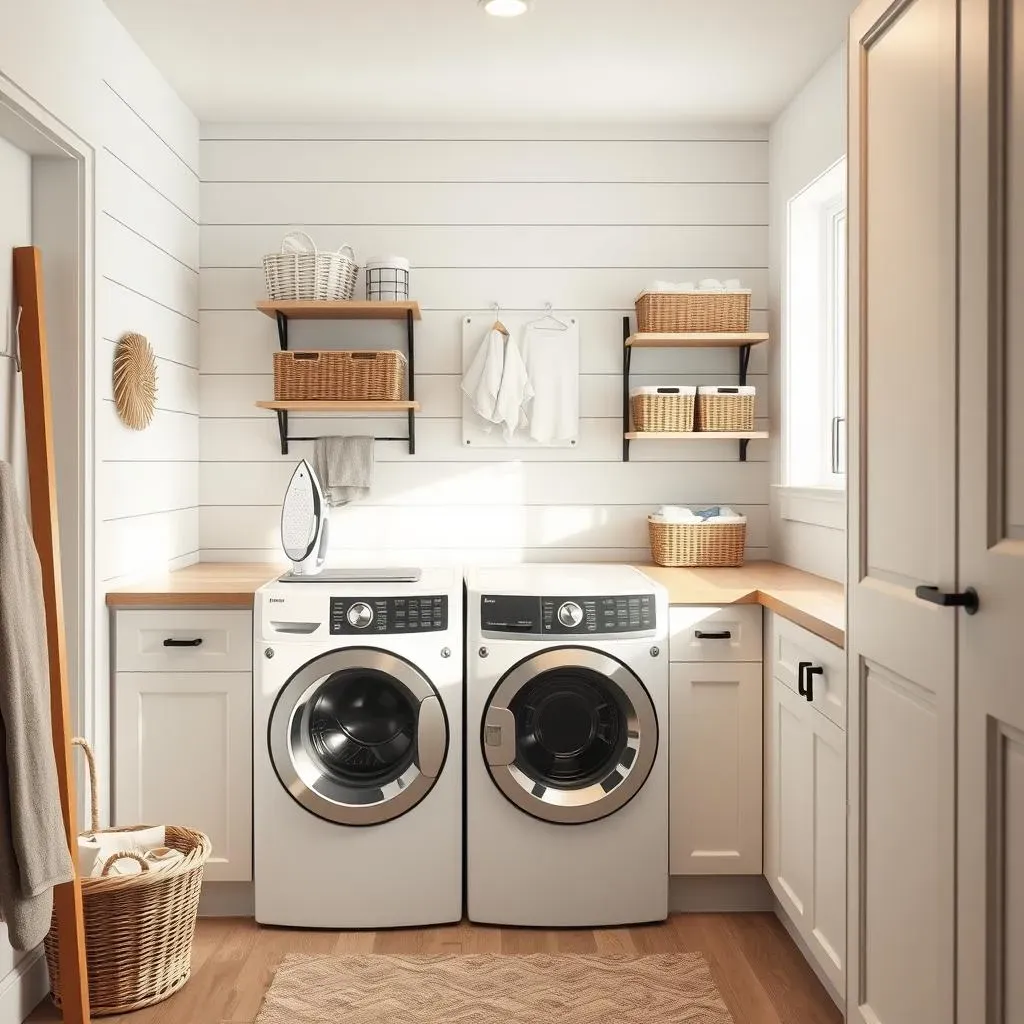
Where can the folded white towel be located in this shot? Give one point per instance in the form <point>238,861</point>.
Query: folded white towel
<point>515,393</point>
<point>552,364</point>
<point>708,284</point>
<point>482,381</point>
<point>95,850</point>
<point>681,514</point>
<point>131,862</point>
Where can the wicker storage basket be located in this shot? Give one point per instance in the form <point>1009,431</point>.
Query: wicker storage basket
<point>138,928</point>
<point>697,544</point>
<point>339,376</point>
<point>663,408</point>
<point>693,312</point>
<point>301,271</point>
<point>725,408</point>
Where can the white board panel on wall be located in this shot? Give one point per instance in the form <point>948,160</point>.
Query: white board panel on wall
<point>553,370</point>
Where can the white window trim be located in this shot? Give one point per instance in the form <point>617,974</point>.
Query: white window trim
<point>815,506</point>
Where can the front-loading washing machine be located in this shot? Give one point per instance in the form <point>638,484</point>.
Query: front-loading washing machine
<point>566,746</point>
<point>357,744</point>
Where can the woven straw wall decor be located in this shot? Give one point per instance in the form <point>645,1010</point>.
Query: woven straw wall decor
<point>134,381</point>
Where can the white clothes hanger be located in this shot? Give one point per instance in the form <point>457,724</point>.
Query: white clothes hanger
<point>556,324</point>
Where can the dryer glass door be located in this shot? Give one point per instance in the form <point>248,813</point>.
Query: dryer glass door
<point>570,735</point>
<point>358,736</point>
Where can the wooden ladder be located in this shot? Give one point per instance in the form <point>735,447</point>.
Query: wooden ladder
<point>35,365</point>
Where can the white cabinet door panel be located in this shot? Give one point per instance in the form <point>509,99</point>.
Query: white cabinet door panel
<point>715,757</point>
<point>792,646</point>
<point>183,640</point>
<point>183,744</point>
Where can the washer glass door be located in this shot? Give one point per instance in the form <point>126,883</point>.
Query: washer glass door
<point>358,736</point>
<point>570,735</point>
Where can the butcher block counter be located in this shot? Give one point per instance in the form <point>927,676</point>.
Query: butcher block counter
<point>813,602</point>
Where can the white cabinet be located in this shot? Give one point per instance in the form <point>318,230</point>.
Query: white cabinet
<point>183,738</point>
<point>715,741</point>
<point>805,811</point>
<point>715,780</point>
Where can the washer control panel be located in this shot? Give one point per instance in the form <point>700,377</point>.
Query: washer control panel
<point>567,616</point>
<point>351,616</point>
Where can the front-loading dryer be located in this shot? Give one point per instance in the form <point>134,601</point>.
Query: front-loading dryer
<point>566,746</point>
<point>357,745</point>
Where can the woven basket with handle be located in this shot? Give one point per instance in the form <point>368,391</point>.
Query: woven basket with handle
<point>138,928</point>
<point>339,376</point>
<point>724,411</point>
<point>301,271</point>
<point>702,545</point>
<point>693,312</point>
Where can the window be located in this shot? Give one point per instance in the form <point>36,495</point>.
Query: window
<point>814,325</point>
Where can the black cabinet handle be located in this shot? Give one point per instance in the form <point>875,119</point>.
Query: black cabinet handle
<point>812,671</point>
<point>801,668</point>
<point>712,636</point>
<point>171,642</point>
<point>967,599</point>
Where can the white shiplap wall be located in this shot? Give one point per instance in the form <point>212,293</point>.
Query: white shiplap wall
<point>582,218</point>
<point>147,231</point>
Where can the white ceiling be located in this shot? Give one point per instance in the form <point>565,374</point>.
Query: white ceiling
<point>444,60</point>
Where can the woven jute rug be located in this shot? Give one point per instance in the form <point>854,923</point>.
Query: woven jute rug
<point>494,989</point>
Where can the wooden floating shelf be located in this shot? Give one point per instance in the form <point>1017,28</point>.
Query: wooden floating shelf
<point>695,340</point>
<point>324,406</point>
<point>696,435</point>
<point>341,309</point>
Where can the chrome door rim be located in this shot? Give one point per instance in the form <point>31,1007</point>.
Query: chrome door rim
<point>318,792</point>
<point>599,799</point>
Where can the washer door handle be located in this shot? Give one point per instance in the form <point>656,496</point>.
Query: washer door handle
<point>431,737</point>
<point>499,737</point>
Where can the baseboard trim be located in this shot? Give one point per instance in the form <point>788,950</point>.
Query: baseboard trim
<point>226,899</point>
<point>718,894</point>
<point>805,952</point>
<point>24,988</point>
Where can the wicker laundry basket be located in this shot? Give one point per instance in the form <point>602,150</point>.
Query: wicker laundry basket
<point>138,928</point>
<point>662,409</point>
<point>697,545</point>
<point>693,312</point>
<point>301,271</point>
<point>339,376</point>
<point>725,408</point>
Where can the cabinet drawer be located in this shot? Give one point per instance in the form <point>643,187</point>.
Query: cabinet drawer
<point>183,641</point>
<point>732,633</point>
<point>791,645</point>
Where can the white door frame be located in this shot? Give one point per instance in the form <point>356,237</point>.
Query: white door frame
<point>34,129</point>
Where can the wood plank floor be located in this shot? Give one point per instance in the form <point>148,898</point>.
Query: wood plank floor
<point>760,973</point>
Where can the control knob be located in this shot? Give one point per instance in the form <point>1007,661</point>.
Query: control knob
<point>570,614</point>
<point>359,615</point>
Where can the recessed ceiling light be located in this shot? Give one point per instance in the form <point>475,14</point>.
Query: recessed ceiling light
<point>505,8</point>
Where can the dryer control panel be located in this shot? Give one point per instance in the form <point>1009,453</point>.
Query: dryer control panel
<point>567,616</point>
<point>422,613</point>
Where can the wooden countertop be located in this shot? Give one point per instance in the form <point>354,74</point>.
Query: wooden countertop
<point>810,601</point>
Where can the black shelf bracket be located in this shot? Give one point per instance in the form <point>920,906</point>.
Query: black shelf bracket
<point>282,330</point>
<point>743,448</point>
<point>627,359</point>
<point>744,351</point>
<point>410,332</point>
<point>282,428</point>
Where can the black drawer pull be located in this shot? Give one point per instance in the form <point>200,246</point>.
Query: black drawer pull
<point>968,600</point>
<point>801,668</point>
<point>807,674</point>
<point>712,636</point>
<point>171,642</point>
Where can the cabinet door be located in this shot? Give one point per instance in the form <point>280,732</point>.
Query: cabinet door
<point>715,759</point>
<point>805,823</point>
<point>183,756</point>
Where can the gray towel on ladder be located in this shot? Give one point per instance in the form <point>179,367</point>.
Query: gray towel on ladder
<point>344,467</point>
<point>34,853</point>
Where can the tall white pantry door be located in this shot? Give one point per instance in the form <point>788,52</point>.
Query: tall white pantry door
<point>903,511</point>
<point>990,865</point>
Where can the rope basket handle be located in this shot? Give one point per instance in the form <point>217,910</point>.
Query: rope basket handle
<point>94,796</point>
<point>347,249</point>
<point>124,855</point>
<point>294,237</point>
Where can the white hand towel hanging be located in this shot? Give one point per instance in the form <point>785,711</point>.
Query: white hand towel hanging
<point>552,362</point>
<point>482,380</point>
<point>515,393</point>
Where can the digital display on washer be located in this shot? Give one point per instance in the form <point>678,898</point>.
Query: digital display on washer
<point>567,616</point>
<point>351,616</point>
